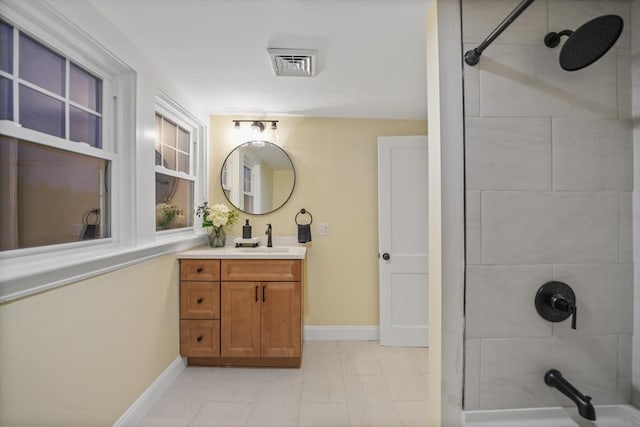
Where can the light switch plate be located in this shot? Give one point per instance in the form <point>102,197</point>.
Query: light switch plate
<point>323,229</point>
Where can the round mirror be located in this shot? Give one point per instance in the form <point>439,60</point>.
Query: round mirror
<point>258,177</point>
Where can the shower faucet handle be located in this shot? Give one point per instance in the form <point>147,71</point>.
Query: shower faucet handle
<point>561,303</point>
<point>556,301</point>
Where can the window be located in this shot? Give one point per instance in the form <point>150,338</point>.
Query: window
<point>54,163</point>
<point>247,187</point>
<point>175,169</point>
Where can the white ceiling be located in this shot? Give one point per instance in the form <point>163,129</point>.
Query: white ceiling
<point>371,53</point>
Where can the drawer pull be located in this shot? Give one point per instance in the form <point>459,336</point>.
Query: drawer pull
<point>256,293</point>
<point>199,338</point>
<point>199,300</point>
<point>199,270</point>
<point>264,297</point>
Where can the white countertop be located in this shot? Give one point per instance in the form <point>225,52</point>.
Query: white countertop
<point>230,252</point>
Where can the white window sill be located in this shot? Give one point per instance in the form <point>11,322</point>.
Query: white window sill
<point>25,276</point>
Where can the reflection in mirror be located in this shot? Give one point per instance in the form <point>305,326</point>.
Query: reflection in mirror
<point>258,177</point>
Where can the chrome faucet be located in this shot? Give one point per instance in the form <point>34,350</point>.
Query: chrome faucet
<point>553,378</point>
<point>268,233</point>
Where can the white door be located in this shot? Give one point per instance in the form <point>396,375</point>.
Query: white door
<point>402,237</point>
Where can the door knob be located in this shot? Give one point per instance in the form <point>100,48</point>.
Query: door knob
<point>386,256</point>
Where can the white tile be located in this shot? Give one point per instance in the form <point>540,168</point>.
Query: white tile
<point>162,422</point>
<point>625,224</point>
<point>357,357</point>
<point>238,385</point>
<point>527,81</point>
<point>222,414</point>
<point>508,154</point>
<point>323,415</point>
<point>512,370</point>
<point>322,376</point>
<point>472,357</point>
<point>481,17</point>
<point>274,414</point>
<point>277,403</point>
<point>499,301</point>
<point>412,413</point>
<point>624,84</point>
<point>369,402</point>
<point>421,358</point>
<point>471,81</point>
<point>473,219</point>
<point>183,400</point>
<point>624,368</point>
<point>566,15</point>
<point>602,293</point>
<point>537,227</point>
<point>592,154</point>
<point>401,374</point>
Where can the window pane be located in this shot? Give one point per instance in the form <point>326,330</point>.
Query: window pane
<point>41,112</point>
<point>247,179</point>
<point>183,140</point>
<point>85,127</point>
<point>50,196</point>
<point>169,131</point>
<point>183,163</point>
<point>6,47</point>
<point>174,202</point>
<point>6,99</point>
<point>41,66</point>
<point>85,89</point>
<point>158,143</point>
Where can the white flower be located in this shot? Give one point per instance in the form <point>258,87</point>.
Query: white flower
<point>219,215</point>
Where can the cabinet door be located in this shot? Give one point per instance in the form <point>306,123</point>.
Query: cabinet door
<point>240,319</point>
<point>281,319</point>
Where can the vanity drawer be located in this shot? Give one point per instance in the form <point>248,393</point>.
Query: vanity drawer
<point>200,338</point>
<point>200,300</point>
<point>262,270</point>
<point>200,269</point>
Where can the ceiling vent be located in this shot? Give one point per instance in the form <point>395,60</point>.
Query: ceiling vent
<point>293,62</point>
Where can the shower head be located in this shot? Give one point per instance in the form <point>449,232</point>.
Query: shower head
<point>588,43</point>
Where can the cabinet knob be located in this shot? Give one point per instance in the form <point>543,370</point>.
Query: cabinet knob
<point>199,300</point>
<point>199,338</point>
<point>199,270</point>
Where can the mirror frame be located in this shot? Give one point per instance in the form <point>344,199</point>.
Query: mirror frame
<point>293,168</point>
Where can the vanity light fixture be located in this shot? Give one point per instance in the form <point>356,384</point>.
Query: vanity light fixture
<point>257,132</point>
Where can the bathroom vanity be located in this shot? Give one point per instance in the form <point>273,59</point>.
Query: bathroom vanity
<point>242,306</point>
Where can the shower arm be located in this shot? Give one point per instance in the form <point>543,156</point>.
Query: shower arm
<point>472,57</point>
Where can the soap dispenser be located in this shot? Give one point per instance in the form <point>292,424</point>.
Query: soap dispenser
<point>246,230</point>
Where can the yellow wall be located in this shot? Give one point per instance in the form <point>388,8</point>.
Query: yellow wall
<point>80,355</point>
<point>336,180</point>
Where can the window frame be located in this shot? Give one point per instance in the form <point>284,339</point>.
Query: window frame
<point>13,129</point>
<point>133,239</point>
<point>180,116</point>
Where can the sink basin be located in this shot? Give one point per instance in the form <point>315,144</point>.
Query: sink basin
<point>264,249</point>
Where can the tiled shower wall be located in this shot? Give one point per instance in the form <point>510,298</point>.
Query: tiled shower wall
<point>549,181</point>
<point>635,76</point>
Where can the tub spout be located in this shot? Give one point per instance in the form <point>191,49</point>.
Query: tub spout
<point>553,378</point>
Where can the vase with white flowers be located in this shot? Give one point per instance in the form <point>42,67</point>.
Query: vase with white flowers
<point>217,217</point>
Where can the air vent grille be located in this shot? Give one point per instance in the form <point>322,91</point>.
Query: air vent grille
<point>293,62</point>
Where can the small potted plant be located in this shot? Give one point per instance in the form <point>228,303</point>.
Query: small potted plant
<point>216,217</point>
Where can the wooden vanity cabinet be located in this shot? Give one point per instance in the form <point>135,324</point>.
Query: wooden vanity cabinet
<point>259,311</point>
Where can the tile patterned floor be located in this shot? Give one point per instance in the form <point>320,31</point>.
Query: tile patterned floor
<point>341,384</point>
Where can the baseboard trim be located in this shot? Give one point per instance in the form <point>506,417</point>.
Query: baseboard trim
<point>341,333</point>
<point>143,404</point>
